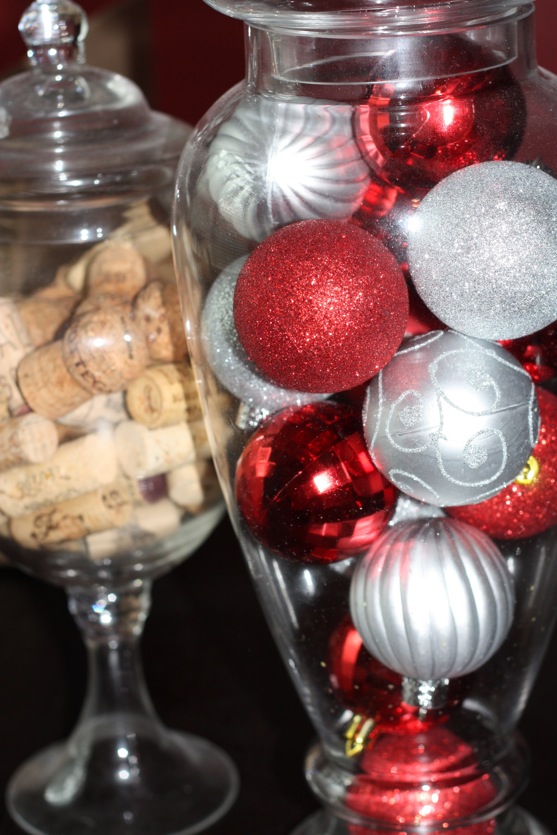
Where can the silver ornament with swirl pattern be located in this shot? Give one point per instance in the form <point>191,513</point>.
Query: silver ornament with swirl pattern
<point>432,599</point>
<point>275,162</point>
<point>451,420</point>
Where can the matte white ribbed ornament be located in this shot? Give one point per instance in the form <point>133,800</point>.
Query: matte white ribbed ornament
<point>432,599</point>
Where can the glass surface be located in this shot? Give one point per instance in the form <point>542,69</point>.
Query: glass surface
<point>107,479</point>
<point>366,263</point>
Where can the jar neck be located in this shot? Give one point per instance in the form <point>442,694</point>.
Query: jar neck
<point>342,64</point>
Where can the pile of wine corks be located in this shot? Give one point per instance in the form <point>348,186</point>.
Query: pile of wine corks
<point>102,442</point>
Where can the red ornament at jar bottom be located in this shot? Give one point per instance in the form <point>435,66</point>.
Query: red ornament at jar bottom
<point>307,488</point>
<point>428,779</point>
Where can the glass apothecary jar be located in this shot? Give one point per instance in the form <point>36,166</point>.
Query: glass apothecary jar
<point>365,235</point>
<point>106,476</point>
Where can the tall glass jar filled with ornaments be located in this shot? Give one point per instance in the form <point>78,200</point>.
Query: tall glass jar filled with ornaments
<point>365,232</point>
<point>106,480</point>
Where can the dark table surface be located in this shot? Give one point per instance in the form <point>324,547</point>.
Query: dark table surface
<point>213,670</point>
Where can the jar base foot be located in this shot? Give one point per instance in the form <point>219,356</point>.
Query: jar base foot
<point>183,785</point>
<point>515,821</point>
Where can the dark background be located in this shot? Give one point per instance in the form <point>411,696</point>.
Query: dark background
<point>210,663</point>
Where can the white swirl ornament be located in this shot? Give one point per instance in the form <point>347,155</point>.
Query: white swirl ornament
<point>227,357</point>
<point>451,420</point>
<point>432,599</point>
<point>275,162</point>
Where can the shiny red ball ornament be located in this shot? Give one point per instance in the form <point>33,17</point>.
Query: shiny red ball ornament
<point>306,486</point>
<point>359,680</point>
<point>442,106</point>
<point>320,306</point>
<point>430,779</point>
<point>528,506</point>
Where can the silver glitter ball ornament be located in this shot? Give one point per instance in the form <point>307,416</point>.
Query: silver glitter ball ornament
<point>228,359</point>
<point>482,250</point>
<point>275,162</point>
<point>451,420</point>
<point>432,599</point>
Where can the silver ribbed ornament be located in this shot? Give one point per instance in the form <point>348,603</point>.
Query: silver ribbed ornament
<point>432,599</point>
<point>275,162</point>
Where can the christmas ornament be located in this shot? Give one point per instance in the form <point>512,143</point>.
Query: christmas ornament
<point>533,355</point>
<point>528,506</point>
<point>427,779</point>
<point>432,599</point>
<point>437,111</point>
<point>320,306</point>
<point>386,212</point>
<point>451,420</point>
<point>307,488</point>
<point>483,244</point>
<point>227,357</point>
<point>274,162</point>
<point>361,682</point>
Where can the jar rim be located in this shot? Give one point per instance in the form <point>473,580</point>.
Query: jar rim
<point>334,17</point>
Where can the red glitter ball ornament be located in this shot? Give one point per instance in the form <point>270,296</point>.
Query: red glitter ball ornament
<point>320,306</point>
<point>428,779</point>
<point>528,506</point>
<point>442,106</point>
<point>307,488</point>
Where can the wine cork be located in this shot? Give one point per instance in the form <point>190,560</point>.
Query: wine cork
<point>46,384</point>
<point>76,467</point>
<point>29,439</point>
<point>90,304</point>
<point>73,519</point>
<point>194,486</point>
<point>157,308</point>
<point>44,315</point>
<point>148,525</point>
<point>99,409</point>
<point>164,395</point>
<point>118,269</point>
<point>146,452</point>
<point>15,343</point>
<point>104,350</point>
<point>150,236</point>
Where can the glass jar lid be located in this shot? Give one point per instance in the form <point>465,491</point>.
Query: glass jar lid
<point>70,129</point>
<point>330,16</point>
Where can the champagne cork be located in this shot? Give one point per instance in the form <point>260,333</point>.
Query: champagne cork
<point>104,350</point>
<point>15,343</point>
<point>29,439</point>
<point>164,395</point>
<point>146,452</point>
<point>157,308</point>
<point>46,384</point>
<point>148,525</point>
<point>194,486</point>
<point>76,467</point>
<point>73,519</point>
<point>118,269</point>
<point>99,409</point>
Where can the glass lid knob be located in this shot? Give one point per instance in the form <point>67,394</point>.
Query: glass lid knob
<point>54,31</point>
